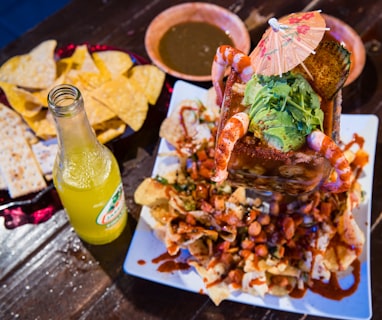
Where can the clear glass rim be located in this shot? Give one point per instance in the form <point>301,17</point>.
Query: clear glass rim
<point>64,100</point>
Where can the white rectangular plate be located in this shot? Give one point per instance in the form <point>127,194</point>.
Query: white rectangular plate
<point>145,246</point>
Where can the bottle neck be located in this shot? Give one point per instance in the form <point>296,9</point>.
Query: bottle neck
<point>73,128</point>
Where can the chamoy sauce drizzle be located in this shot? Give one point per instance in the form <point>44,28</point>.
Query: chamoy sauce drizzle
<point>332,289</point>
<point>190,47</point>
<point>169,263</point>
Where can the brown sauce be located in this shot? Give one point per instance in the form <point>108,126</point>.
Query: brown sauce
<point>213,283</point>
<point>169,264</point>
<point>190,47</point>
<point>182,122</point>
<point>163,257</point>
<point>357,139</point>
<point>256,282</point>
<point>297,293</point>
<point>332,289</point>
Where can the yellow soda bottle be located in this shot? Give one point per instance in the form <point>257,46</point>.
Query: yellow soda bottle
<point>86,173</point>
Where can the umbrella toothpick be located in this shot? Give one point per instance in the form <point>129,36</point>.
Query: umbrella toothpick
<point>278,56</point>
<point>287,42</point>
<point>274,23</point>
<point>307,71</point>
<point>300,44</point>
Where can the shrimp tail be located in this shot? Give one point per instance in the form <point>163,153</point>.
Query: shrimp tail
<point>234,129</point>
<point>321,143</point>
<point>228,56</point>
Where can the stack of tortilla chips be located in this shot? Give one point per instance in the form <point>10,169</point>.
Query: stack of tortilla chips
<point>116,93</point>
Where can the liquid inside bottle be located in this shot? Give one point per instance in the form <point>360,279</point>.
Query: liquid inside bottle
<point>86,173</point>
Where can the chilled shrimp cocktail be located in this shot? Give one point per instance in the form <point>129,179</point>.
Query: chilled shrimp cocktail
<point>280,132</point>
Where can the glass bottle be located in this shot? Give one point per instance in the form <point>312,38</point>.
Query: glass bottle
<point>86,173</point>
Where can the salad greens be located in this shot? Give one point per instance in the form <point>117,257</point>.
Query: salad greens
<point>283,110</point>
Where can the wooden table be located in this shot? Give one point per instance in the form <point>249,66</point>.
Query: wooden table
<point>46,272</point>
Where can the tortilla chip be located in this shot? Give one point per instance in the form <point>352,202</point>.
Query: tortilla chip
<point>35,70</point>
<point>348,228</point>
<point>64,66</point>
<point>96,111</point>
<point>217,292</point>
<point>255,283</point>
<point>109,130</point>
<point>24,102</point>
<point>42,124</point>
<point>149,79</point>
<point>42,95</point>
<point>92,74</point>
<point>339,258</point>
<point>280,290</point>
<point>122,97</point>
<point>112,62</point>
<point>162,215</point>
<point>151,193</point>
<point>82,60</point>
<point>93,80</point>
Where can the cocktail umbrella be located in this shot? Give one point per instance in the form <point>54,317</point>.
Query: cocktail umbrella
<point>288,42</point>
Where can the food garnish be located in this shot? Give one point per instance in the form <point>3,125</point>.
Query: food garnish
<point>329,67</point>
<point>283,110</point>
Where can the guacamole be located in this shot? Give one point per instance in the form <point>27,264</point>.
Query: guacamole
<point>282,110</point>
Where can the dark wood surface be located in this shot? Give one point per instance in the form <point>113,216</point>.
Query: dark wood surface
<point>46,272</point>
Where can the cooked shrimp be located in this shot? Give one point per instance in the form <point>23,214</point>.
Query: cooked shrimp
<point>235,128</point>
<point>321,143</point>
<point>228,56</point>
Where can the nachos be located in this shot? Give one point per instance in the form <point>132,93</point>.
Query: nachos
<point>239,241</point>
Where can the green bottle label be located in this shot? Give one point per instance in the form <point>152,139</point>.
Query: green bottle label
<point>114,209</point>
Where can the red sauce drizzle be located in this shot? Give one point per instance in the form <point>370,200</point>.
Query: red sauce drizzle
<point>214,283</point>
<point>162,257</point>
<point>169,264</point>
<point>360,161</point>
<point>256,282</point>
<point>297,293</point>
<point>336,242</point>
<point>182,110</point>
<point>141,262</point>
<point>357,139</point>
<point>332,289</point>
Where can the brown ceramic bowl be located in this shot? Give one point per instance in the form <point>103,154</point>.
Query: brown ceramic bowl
<point>195,12</point>
<point>345,34</point>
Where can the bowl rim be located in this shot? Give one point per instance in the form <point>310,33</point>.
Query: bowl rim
<point>152,37</point>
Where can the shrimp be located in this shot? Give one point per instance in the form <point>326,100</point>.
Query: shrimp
<point>235,128</point>
<point>321,143</point>
<point>228,56</point>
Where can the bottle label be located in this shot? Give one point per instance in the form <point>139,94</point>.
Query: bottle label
<point>114,209</point>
